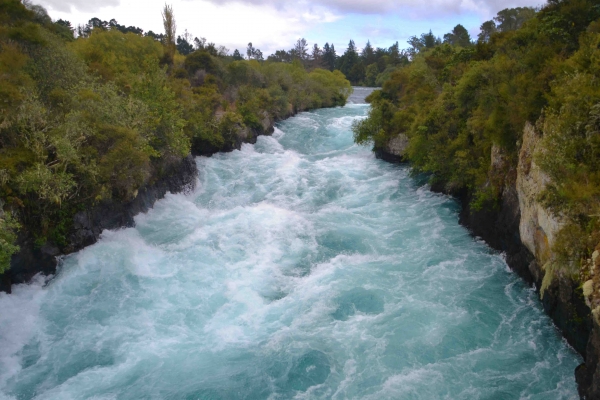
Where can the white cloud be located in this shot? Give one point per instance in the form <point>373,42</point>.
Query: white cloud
<point>431,8</point>
<point>268,26</point>
<point>80,5</point>
<point>276,24</point>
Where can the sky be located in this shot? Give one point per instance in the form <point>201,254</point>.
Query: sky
<point>276,24</point>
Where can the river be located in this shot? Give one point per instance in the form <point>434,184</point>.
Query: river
<point>300,267</point>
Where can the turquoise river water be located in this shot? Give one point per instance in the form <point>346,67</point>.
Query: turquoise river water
<point>301,267</point>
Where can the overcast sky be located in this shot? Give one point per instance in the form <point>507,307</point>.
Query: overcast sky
<point>276,24</point>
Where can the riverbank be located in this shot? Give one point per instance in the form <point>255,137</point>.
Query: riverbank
<point>88,225</point>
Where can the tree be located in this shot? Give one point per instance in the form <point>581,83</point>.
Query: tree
<point>199,44</point>
<point>280,56</point>
<point>458,37</point>
<point>371,75</point>
<point>348,61</point>
<point>488,28</point>
<point>426,41</point>
<point>429,40</point>
<point>183,46</point>
<point>94,23</point>
<point>368,54</point>
<point>511,19</point>
<point>329,56</point>
<point>200,60</point>
<point>301,49</point>
<point>159,37</point>
<point>113,24</point>
<point>66,24</point>
<point>316,56</point>
<point>170,30</point>
<point>237,55</point>
<point>64,29</point>
<point>254,53</point>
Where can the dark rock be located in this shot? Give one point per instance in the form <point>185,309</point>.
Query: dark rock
<point>588,374</point>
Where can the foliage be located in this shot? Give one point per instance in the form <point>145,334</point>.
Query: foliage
<point>8,236</point>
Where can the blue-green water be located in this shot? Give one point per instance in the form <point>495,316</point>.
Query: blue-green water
<point>301,267</point>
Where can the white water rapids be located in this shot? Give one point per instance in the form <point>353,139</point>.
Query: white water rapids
<point>301,267</point>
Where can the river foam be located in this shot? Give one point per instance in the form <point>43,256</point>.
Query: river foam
<point>301,267</point>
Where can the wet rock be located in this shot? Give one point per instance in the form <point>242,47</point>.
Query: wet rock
<point>588,373</point>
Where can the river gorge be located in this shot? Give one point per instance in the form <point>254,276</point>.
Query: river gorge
<point>300,267</point>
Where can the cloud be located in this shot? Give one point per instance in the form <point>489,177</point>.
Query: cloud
<point>276,24</point>
<point>414,8</point>
<point>79,5</point>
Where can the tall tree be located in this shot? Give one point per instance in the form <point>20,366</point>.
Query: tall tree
<point>429,40</point>
<point>170,30</point>
<point>329,56</point>
<point>349,63</point>
<point>301,49</point>
<point>368,54</point>
<point>254,53</point>
<point>316,57</point>
<point>458,37</point>
<point>488,28</point>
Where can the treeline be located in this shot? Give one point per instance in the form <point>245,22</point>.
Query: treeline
<point>456,101</point>
<point>94,119</point>
<point>367,67</point>
<point>372,66</point>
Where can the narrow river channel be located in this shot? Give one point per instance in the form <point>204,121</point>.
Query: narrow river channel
<point>301,267</point>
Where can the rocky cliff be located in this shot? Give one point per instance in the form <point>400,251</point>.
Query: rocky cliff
<point>526,231</point>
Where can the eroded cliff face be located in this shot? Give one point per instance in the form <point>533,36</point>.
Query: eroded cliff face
<point>561,291</point>
<point>538,227</point>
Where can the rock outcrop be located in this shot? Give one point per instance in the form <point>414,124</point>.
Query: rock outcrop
<point>538,227</point>
<point>395,149</point>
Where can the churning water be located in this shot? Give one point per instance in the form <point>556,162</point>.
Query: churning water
<point>301,267</point>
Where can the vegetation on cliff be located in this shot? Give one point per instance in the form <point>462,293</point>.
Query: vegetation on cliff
<point>457,100</point>
<point>96,118</point>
